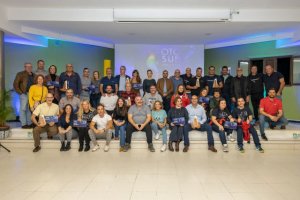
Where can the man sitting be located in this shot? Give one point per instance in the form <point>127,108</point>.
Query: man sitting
<point>243,116</point>
<point>139,117</point>
<point>197,121</point>
<point>109,100</point>
<point>69,99</point>
<point>128,94</point>
<point>45,109</point>
<point>151,97</point>
<point>270,109</point>
<point>103,130</point>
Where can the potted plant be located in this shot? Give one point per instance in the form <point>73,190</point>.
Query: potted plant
<point>5,110</point>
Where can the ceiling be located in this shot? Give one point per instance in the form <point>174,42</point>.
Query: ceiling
<point>269,4</point>
<point>91,32</point>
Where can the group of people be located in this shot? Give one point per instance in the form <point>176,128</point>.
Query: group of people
<point>113,107</point>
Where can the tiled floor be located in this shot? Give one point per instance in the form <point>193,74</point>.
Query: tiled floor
<point>139,174</point>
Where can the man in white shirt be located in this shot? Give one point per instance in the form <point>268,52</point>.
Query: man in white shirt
<point>103,130</point>
<point>197,121</point>
<point>109,100</point>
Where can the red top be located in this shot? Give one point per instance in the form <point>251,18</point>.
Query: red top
<point>185,100</point>
<point>271,106</point>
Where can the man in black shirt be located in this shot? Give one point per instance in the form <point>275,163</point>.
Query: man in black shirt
<point>256,89</point>
<point>226,79</point>
<point>239,87</point>
<point>187,78</point>
<point>212,80</point>
<point>274,79</point>
<point>243,116</point>
<point>197,83</point>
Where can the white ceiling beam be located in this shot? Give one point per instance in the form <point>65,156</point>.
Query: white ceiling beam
<point>65,37</point>
<point>45,14</point>
<point>15,29</point>
<point>266,15</point>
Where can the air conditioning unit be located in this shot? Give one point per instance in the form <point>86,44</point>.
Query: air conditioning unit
<point>169,16</point>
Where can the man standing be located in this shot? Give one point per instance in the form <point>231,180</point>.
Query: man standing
<point>86,82</point>
<point>139,117</point>
<point>122,79</point>
<point>151,97</point>
<point>165,89</point>
<point>212,80</point>
<point>197,83</point>
<point>22,83</point>
<point>69,99</point>
<point>45,109</point>
<point>239,87</point>
<point>274,80</point>
<point>226,90</point>
<point>197,121</point>
<point>108,80</point>
<point>109,100</point>
<point>271,111</point>
<point>187,79</point>
<point>70,80</point>
<point>256,90</point>
<point>41,68</point>
<point>103,130</point>
<point>176,80</point>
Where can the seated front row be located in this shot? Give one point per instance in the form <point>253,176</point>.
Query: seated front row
<point>91,126</point>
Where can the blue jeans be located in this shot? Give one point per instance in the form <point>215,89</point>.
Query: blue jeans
<point>263,119</point>
<point>155,129</point>
<point>204,127</point>
<point>121,130</point>
<point>25,114</point>
<point>252,131</point>
<point>221,133</point>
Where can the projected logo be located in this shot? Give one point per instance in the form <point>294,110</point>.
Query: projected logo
<point>169,57</point>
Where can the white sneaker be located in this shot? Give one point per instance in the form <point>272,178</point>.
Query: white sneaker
<point>231,138</point>
<point>96,147</point>
<point>106,148</point>
<point>157,136</point>
<point>225,147</point>
<point>163,148</point>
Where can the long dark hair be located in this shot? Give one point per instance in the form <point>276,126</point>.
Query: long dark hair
<point>121,110</point>
<point>138,78</point>
<point>63,115</point>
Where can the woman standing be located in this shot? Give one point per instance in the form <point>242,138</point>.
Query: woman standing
<point>119,117</point>
<point>136,82</point>
<point>85,113</point>
<point>37,93</point>
<point>218,118</point>
<point>65,127</point>
<point>148,82</point>
<point>52,82</point>
<point>159,122</point>
<point>180,92</point>
<point>95,92</point>
<point>177,118</point>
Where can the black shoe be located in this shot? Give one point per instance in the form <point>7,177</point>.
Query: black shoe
<point>186,149</point>
<point>36,149</point>
<point>264,137</point>
<point>80,148</point>
<point>271,126</point>
<point>62,148</point>
<point>126,147</point>
<point>171,146</point>
<point>87,148</point>
<point>151,148</point>
<point>68,146</point>
<point>31,126</point>
<point>283,127</point>
<point>177,146</point>
<point>25,127</point>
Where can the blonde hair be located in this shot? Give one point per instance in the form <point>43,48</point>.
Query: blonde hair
<point>80,111</point>
<point>160,103</point>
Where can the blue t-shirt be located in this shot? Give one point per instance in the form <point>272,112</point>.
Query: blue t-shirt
<point>159,116</point>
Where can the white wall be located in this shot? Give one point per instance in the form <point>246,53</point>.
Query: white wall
<point>158,58</point>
